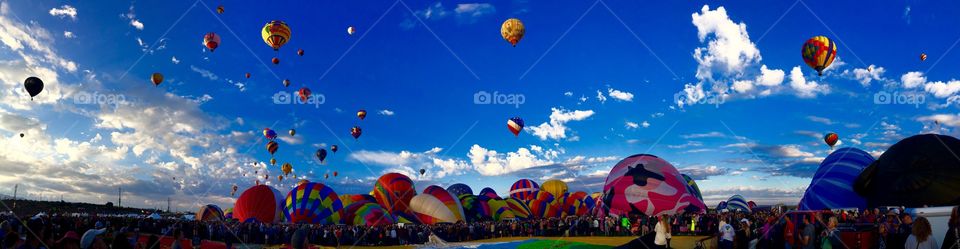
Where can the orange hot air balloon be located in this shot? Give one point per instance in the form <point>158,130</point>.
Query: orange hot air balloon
<point>211,41</point>
<point>275,60</point>
<point>272,147</point>
<point>831,139</point>
<point>157,78</point>
<point>275,34</point>
<point>362,114</point>
<point>512,30</point>
<point>220,9</point>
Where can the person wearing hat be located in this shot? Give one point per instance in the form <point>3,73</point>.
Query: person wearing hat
<point>93,239</point>
<point>70,240</point>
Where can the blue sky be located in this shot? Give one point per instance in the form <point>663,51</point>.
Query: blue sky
<point>716,88</point>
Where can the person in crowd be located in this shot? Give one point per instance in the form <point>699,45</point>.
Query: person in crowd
<point>831,236</point>
<point>808,237</point>
<point>663,232</point>
<point>952,239</point>
<point>920,236</point>
<point>789,238</point>
<point>727,234</point>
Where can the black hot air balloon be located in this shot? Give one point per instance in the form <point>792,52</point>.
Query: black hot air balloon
<point>333,148</point>
<point>917,171</point>
<point>33,85</point>
<point>422,171</point>
<point>321,154</point>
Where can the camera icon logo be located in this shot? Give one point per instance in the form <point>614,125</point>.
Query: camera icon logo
<point>281,98</point>
<point>482,98</point>
<point>882,98</point>
<point>82,98</point>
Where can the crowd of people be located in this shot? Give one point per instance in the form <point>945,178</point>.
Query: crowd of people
<point>761,229</point>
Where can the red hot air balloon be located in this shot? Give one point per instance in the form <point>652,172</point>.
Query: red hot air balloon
<point>300,52</point>
<point>211,41</point>
<point>272,147</point>
<point>355,132</point>
<point>515,125</point>
<point>247,75</point>
<point>275,60</point>
<point>304,94</point>
<point>831,139</point>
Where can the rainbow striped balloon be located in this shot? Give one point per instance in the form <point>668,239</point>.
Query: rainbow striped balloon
<point>366,213</point>
<point>312,203</point>
<point>519,208</point>
<point>524,189</point>
<point>451,201</point>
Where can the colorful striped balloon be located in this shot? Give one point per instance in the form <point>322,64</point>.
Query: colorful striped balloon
<point>483,207</point>
<point>228,213</point>
<point>470,206</point>
<point>430,210</point>
<point>452,202</point>
<point>738,203</point>
<point>692,186</point>
<point>518,207</point>
<point>524,189</point>
<point>313,203</point>
<point>489,192</point>
<point>365,213</point>
<point>500,210</point>
<point>832,185</point>
<point>818,52</point>
<point>209,212</point>
<point>393,191</point>
<point>348,199</point>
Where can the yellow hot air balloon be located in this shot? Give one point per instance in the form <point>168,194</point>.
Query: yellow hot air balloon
<point>555,187</point>
<point>286,168</point>
<point>512,30</point>
<point>818,52</point>
<point>275,34</point>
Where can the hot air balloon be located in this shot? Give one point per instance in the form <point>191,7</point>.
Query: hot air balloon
<point>422,171</point>
<point>275,34</point>
<point>394,191</point>
<point>460,189</point>
<point>348,199</point>
<point>21,135</point>
<point>555,187</point>
<point>272,147</point>
<point>449,200</point>
<point>692,186</point>
<point>321,154</point>
<point>280,178</point>
<point>512,30</point>
<point>832,185</point>
<point>228,213</point>
<point>292,132</point>
<point>304,94</point>
<point>269,134</point>
<point>302,181</point>
<point>647,184</point>
<point>233,190</point>
<point>247,75</point>
<point>209,212</point>
<point>275,61</point>
<point>831,139</point>
<point>260,203</point>
<point>543,206</point>
<point>351,30</point>
<point>286,82</point>
<point>752,205</point>
<point>515,125</point>
<point>923,57</point>
<point>920,170</point>
<point>519,208</point>
<point>333,148</point>
<point>818,52</point>
<point>273,161</point>
<point>490,193</point>
<point>220,9</point>
<point>362,114</point>
<point>157,78</point>
<point>335,174</point>
<point>211,41</point>
<point>367,214</point>
<point>313,203</point>
<point>524,189</point>
<point>573,204</point>
<point>33,85</point>
<point>355,132</point>
<point>431,210</point>
<point>500,211</point>
<point>738,203</point>
<point>286,168</point>
<point>300,52</point>
<point>326,176</point>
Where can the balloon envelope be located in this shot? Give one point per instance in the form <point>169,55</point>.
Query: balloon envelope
<point>832,185</point>
<point>555,187</point>
<point>366,213</point>
<point>649,185</point>
<point>431,210</point>
<point>918,171</point>
<point>738,203</point>
<point>448,199</point>
<point>490,193</point>
<point>260,203</point>
<point>312,203</point>
<point>524,189</point>
<point>459,189</point>
<point>209,212</point>
<point>393,191</point>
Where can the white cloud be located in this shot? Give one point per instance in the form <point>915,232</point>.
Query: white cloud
<point>386,112</point>
<point>866,75</point>
<point>631,125</point>
<point>68,34</point>
<point>65,11</point>
<point>568,94</point>
<point>645,124</point>
<point>913,79</point>
<point>712,134</point>
<point>942,89</point>
<point>174,60</point>
<point>490,163</point>
<point>132,16</point>
<point>556,129</point>
<point>804,88</point>
<point>600,97</point>
<point>620,95</point>
<point>410,163</point>
<point>471,12</point>
<point>951,120</point>
<point>731,49</point>
<point>821,120</point>
<point>205,73</point>
<point>770,77</point>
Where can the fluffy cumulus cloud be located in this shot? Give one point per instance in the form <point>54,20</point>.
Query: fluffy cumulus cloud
<point>729,65</point>
<point>620,95</point>
<point>703,172</point>
<point>386,112</point>
<point>490,162</point>
<point>131,16</point>
<point>471,12</point>
<point>65,11</point>
<point>632,125</point>
<point>557,128</point>
<point>465,13</point>
<point>866,75</point>
<point>916,83</point>
<point>409,163</point>
<point>31,45</point>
